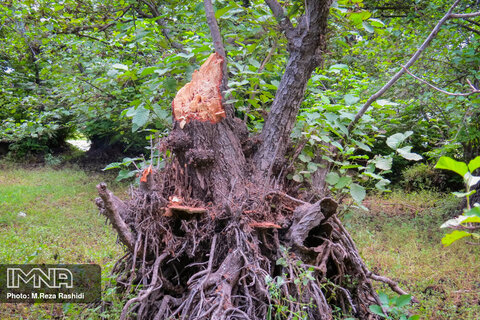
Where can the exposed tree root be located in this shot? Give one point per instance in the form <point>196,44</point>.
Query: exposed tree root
<point>247,259</point>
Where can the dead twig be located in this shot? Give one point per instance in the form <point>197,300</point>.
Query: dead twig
<point>392,284</point>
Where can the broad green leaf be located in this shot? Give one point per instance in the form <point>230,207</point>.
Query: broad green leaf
<point>384,163</point>
<point>377,310</point>
<point>337,67</point>
<point>332,178</point>
<point>475,211</point>
<point>343,182</point>
<point>376,23</point>
<point>140,118</point>
<point>120,66</point>
<point>383,298</point>
<point>363,146</point>
<point>455,222</point>
<point>395,140</point>
<point>368,27</point>
<point>471,180</point>
<point>298,178</point>
<point>448,163</point>
<point>406,154</point>
<point>463,194</point>
<point>473,219</point>
<point>161,113</point>
<point>380,185</point>
<point>383,102</point>
<point>350,99</point>
<point>403,300</point>
<point>305,158</point>
<point>312,167</point>
<point>161,72</point>
<point>125,174</point>
<point>474,164</point>
<point>450,238</point>
<point>358,192</point>
<point>222,11</point>
<point>147,71</point>
<point>113,165</point>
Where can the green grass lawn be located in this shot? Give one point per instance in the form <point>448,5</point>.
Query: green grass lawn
<point>398,238</point>
<point>62,225</point>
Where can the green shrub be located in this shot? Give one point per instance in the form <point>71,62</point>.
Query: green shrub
<point>420,176</point>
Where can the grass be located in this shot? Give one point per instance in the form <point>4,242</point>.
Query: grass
<point>62,225</point>
<point>400,238</point>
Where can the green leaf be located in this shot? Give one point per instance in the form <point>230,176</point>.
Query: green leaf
<point>120,66</point>
<point>383,298</point>
<point>222,11</point>
<point>377,310</point>
<point>113,165</point>
<point>368,27</point>
<point>140,118</point>
<point>474,164</point>
<point>380,185</point>
<point>448,163</point>
<point>383,102</point>
<point>376,23</point>
<point>125,174</point>
<point>350,99</point>
<point>337,67</point>
<point>406,154</point>
<point>343,182</point>
<point>298,178</point>
<point>403,300</point>
<point>470,180</point>
<point>384,163</point>
<point>455,222</point>
<point>358,192</point>
<point>312,167</point>
<point>395,140</point>
<point>450,238</point>
<point>363,146</point>
<point>305,158</point>
<point>473,219</point>
<point>332,178</point>
<point>475,211</point>
<point>463,194</point>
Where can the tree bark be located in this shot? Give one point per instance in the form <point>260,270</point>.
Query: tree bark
<point>306,46</point>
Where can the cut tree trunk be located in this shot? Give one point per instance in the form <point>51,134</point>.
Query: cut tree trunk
<point>206,240</point>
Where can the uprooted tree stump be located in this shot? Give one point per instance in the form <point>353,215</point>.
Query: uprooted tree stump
<point>211,236</point>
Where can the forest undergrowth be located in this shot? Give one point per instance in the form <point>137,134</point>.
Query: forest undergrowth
<point>399,237</point>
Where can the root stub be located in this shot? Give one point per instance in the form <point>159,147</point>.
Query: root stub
<point>207,262</point>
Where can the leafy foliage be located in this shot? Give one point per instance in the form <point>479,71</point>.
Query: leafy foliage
<point>470,219</point>
<point>393,308</point>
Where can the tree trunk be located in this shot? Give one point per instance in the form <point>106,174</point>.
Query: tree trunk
<point>216,237</point>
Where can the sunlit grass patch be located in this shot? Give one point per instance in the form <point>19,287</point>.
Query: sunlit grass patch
<point>407,248</point>
<point>49,216</point>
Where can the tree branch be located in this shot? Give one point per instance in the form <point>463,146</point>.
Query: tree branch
<point>468,28</point>
<point>214,30</point>
<point>410,62</point>
<point>279,14</point>
<point>392,284</point>
<point>441,90</point>
<point>465,15</point>
<point>113,208</point>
